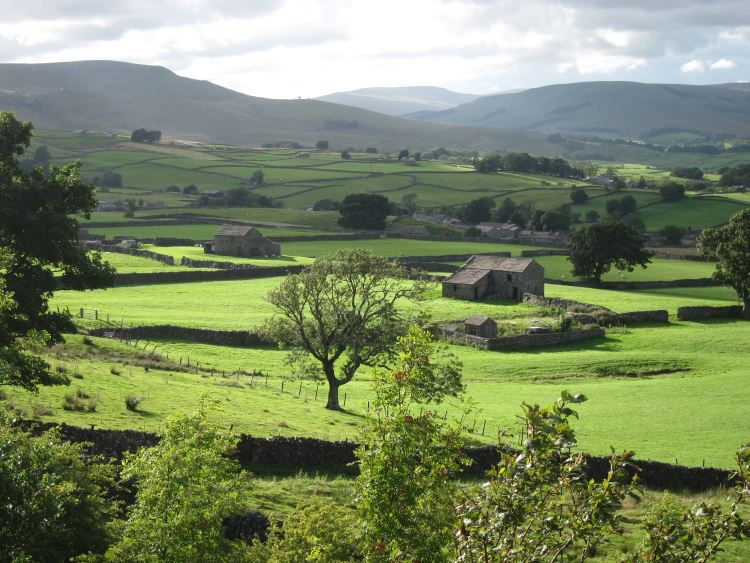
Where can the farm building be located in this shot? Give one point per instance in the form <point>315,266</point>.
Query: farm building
<point>480,325</point>
<point>238,240</point>
<point>482,277</point>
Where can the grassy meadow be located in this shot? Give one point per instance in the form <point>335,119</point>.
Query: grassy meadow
<point>296,179</point>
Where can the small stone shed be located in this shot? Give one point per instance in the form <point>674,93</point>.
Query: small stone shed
<point>238,240</point>
<point>482,277</point>
<point>480,325</point>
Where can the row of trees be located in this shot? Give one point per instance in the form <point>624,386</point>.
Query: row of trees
<point>524,162</point>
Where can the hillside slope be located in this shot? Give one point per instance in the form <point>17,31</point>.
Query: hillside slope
<point>120,97</point>
<point>400,101</point>
<point>624,109</point>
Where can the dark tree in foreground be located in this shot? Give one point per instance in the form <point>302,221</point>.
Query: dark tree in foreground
<point>596,248</point>
<point>55,504</point>
<point>364,211</point>
<point>38,239</point>
<point>731,244</point>
<point>341,314</point>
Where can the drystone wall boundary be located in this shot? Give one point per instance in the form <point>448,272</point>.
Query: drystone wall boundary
<point>163,258</point>
<point>700,313</point>
<point>311,453</point>
<point>521,341</point>
<point>237,338</point>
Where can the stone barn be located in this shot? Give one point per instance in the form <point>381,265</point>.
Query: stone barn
<point>238,240</point>
<point>480,325</point>
<point>484,277</point>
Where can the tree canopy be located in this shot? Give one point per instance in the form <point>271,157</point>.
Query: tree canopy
<point>340,314</point>
<point>38,236</point>
<point>731,245</point>
<point>596,248</point>
<point>364,211</point>
<point>478,210</point>
<point>143,136</point>
<point>524,162</point>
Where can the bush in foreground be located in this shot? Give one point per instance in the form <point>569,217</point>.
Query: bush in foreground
<point>53,498</point>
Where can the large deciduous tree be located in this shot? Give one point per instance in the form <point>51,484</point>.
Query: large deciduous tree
<point>364,211</point>
<point>731,244</point>
<point>340,314</point>
<point>596,248</point>
<point>38,239</point>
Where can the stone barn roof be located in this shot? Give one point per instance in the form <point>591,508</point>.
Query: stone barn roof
<point>468,277</point>
<point>238,231</point>
<point>497,263</point>
<point>479,320</point>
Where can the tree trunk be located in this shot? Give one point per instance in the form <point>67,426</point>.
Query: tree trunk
<point>333,396</point>
<point>746,310</point>
<point>333,388</point>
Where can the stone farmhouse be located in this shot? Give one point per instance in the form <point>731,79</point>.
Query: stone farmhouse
<point>482,277</point>
<point>238,240</point>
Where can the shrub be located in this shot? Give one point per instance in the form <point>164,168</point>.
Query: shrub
<point>132,402</point>
<point>73,403</point>
<point>68,513</point>
<point>544,492</point>
<point>186,486</point>
<point>322,532</point>
<point>42,410</point>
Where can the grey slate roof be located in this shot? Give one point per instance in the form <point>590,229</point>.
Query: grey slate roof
<point>238,231</point>
<point>479,320</point>
<point>497,263</point>
<point>468,277</point>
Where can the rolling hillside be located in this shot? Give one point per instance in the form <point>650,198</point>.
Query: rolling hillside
<point>611,109</point>
<point>400,101</point>
<point>120,97</point>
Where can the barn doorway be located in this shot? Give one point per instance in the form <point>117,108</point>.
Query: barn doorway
<point>515,293</point>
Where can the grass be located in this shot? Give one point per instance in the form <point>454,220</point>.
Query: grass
<point>403,247</point>
<point>125,264</point>
<point>640,380</point>
<point>197,253</point>
<point>206,304</point>
<point>559,267</point>
<point>193,232</point>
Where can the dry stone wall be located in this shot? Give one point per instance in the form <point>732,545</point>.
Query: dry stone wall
<point>141,253</point>
<point>521,341</point>
<point>699,313</point>
<point>239,338</point>
<point>310,453</point>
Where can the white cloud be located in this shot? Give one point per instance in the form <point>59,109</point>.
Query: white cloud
<point>693,66</point>
<point>286,48</point>
<point>723,64</point>
<point>594,62</point>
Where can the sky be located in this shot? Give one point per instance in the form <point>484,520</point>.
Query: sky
<point>307,48</point>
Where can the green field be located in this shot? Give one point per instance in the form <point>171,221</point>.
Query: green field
<point>296,179</point>
<point>558,267</point>
<point>670,392</point>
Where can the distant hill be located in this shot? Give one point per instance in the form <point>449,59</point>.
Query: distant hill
<point>120,97</point>
<point>400,101</point>
<point>611,109</point>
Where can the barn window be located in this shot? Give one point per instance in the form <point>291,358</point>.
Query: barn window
<point>508,277</point>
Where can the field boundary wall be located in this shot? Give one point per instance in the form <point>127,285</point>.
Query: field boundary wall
<point>520,341</point>
<point>699,313</point>
<point>310,453</point>
<point>238,338</point>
